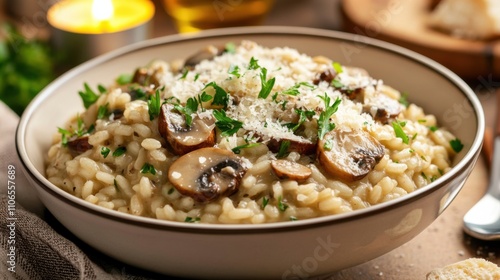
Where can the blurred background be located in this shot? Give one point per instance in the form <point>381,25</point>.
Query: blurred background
<point>34,50</point>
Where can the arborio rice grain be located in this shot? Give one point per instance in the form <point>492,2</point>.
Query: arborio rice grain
<point>350,140</point>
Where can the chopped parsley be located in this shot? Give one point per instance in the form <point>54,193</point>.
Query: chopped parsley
<point>227,125</point>
<point>266,85</point>
<point>424,176</point>
<point>281,205</point>
<point>238,149</point>
<point>234,70</point>
<point>102,112</point>
<point>338,67</point>
<point>324,124</point>
<point>124,79</point>
<point>78,132</point>
<point>221,97</point>
<point>148,168</point>
<point>230,47</point>
<point>119,151</point>
<point>254,64</point>
<point>433,128</point>
<point>398,129</point>
<point>191,219</point>
<point>337,84</point>
<point>403,99</point>
<point>154,105</point>
<point>328,144</point>
<point>265,201</point>
<point>303,116</point>
<point>283,150</point>
<point>294,91</point>
<point>456,145</point>
<point>88,96</point>
<point>105,151</point>
<point>185,72</point>
<point>115,183</point>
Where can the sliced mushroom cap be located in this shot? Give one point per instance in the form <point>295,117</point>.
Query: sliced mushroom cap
<point>145,77</point>
<point>181,137</point>
<point>382,108</point>
<point>303,146</point>
<point>79,145</point>
<point>207,53</point>
<point>287,169</point>
<point>349,155</point>
<point>207,174</point>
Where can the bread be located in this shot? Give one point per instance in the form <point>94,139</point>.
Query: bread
<point>473,268</point>
<point>470,19</point>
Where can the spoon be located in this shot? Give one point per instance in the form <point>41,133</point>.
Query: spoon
<point>482,221</point>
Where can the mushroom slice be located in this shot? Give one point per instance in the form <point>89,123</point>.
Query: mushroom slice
<point>79,145</point>
<point>207,53</point>
<point>303,146</point>
<point>287,169</point>
<point>181,137</point>
<point>349,155</point>
<point>383,108</point>
<point>146,77</point>
<point>206,174</point>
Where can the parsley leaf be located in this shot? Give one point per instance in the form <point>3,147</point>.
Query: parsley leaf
<point>294,91</point>
<point>403,99</point>
<point>102,111</point>
<point>234,70</point>
<point>124,79</point>
<point>433,128</point>
<point>105,151</point>
<point>237,149</point>
<point>338,67</point>
<point>148,168</point>
<point>282,206</point>
<point>191,219</point>
<point>324,125</point>
<point>265,201</point>
<point>227,125</point>
<point>266,85</point>
<point>221,97</point>
<point>398,129</point>
<point>254,64</point>
<point>230,47</point>
<point>119,151</point>
<point>456,145</point>
<point>283,150</point>
<point>88,96</point>
<point>154,105</point>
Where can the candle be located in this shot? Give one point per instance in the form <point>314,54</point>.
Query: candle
<point>83,29</point>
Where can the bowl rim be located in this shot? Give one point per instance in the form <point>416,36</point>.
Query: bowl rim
<point>153,223</point>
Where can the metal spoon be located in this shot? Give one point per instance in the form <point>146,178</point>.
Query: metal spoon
<point>482,221</point>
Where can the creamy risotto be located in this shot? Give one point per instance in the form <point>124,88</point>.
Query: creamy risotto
<point>246,134</point>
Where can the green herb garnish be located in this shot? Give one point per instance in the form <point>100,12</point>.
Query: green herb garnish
<point>88,96</point>
<point>154,105</point>
<point>238,149</point>
<point>148,168</point>
<point>227,125</point>
<point>398,129</point>
<point>185,72</point>
<point>254,64</point>
<point>433,128</point>
<point>234,70</point>
<point>324,124</point>
<point>266,85</point>
<point>265,201</point>
<point>283,150</point>
<point>191,219</point>
<point>105,151</point>
<point>230,47</point>
<point>119,151</point>
<point>281,205</point>
<point>338,67</point>
<point>456,145</point>
<point>403,99</point>
<point>221,97</point>
<point>102,111</point>
<point>78,132</point>
<point>124,79</point>
<point>294,91</point>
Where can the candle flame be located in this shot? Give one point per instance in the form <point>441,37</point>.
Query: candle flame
<point>102,9</point>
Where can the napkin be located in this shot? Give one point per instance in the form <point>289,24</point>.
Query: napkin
<point>34,245</point>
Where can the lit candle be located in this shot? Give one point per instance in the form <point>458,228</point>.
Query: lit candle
<point>83,29</point>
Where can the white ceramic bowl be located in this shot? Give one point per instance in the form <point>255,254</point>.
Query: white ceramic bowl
<point>280,250</point>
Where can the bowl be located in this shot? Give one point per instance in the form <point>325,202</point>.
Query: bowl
<point>277,250</point>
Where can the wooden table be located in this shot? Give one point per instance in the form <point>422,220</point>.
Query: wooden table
<point>443,242</point>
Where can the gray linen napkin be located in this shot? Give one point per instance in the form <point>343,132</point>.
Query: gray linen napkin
<point>33,244</point>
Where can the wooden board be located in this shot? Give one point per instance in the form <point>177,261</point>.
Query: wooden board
<point>404,22</point>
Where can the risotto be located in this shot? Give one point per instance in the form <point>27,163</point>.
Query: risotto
<point>246,134</point>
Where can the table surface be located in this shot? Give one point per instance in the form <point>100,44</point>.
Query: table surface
<point>443,242</point>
